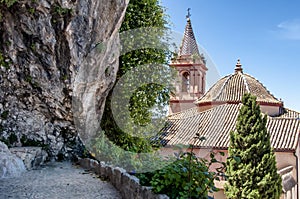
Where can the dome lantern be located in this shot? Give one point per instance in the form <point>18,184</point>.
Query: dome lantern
<point>238,67</point>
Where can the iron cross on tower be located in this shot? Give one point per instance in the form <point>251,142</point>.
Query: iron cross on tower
<point>189,13</point>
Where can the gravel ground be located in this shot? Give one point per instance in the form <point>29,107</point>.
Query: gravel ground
<point>57,180</point>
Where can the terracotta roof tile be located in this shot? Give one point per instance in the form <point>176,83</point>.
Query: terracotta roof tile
<point>290,114</point>
<point>231,88</point>
<point>216,123</point>
<point>188,45</point>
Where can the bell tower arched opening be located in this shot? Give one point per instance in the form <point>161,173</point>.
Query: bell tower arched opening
<point>185,83</point>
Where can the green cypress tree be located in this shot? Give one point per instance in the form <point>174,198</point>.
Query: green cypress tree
<point>251,166</point>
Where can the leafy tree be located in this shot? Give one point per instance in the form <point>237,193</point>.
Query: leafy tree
<point>139,14</point>
<point>252,173</point>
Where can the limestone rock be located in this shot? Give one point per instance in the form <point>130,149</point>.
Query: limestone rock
<point>54,54</point>
<point>10,164</point>
<point>31,156</point>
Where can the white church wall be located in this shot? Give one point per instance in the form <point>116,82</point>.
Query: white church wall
<point>270,110</point>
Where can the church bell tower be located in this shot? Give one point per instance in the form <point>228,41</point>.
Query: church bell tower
<point>191,70</point>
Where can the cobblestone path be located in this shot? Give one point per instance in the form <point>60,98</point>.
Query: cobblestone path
<point>58,180</point>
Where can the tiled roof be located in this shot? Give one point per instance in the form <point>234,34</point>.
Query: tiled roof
<point>188,45</point>
<point>216,123</point>
<point>287,113</point>
<point>231,88</point>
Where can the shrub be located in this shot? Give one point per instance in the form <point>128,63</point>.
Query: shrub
<point>105,150</point>
<point>187,177</point>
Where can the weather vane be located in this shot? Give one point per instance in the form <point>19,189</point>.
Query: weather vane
<point>189,13</point>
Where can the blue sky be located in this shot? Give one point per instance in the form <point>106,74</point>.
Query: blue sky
<point>265,35</point>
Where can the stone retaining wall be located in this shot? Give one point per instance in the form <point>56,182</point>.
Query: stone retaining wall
<point>128,185</point>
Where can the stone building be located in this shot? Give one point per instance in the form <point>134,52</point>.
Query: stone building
<point>215,113</point>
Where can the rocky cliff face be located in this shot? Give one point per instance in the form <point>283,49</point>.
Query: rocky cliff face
<point>56,56</point>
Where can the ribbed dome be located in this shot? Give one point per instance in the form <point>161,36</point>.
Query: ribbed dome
<point>231,88</point>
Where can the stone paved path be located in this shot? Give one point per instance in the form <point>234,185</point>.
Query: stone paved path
<point>58,180</point>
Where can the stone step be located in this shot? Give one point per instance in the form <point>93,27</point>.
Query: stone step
<point>31,156</point>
